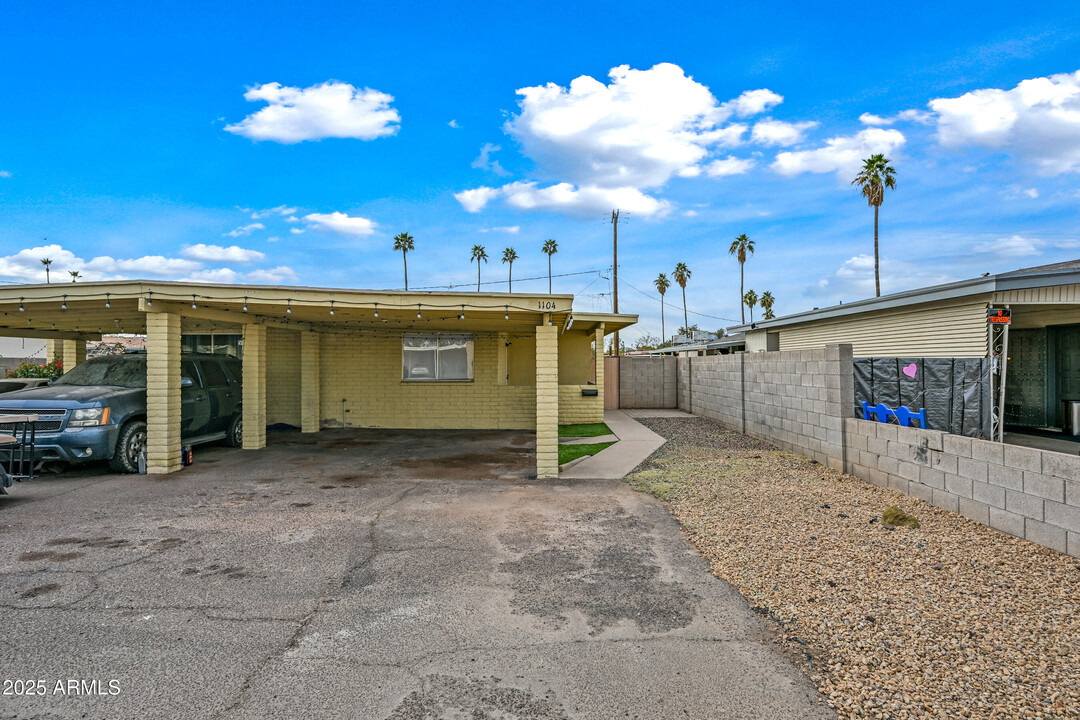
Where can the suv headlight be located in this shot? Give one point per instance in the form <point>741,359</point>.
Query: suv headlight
<point>86,417</point>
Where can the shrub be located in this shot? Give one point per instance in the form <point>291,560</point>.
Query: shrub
<point>897,517</point>
<point>35,370</point>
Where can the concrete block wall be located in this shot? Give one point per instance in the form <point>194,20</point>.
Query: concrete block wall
<point>1029,493</point>
<point>648,382</point>
<point>796,400</point>
<point>283,377</point>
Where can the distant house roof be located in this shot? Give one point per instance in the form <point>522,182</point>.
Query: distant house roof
<point>1063,273</point>
<point>728,341</point>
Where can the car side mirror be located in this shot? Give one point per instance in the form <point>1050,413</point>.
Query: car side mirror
<point>186,383</point>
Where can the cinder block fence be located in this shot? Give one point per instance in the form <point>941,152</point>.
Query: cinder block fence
<point>803,401</point>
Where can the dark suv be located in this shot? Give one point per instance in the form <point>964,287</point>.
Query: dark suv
<point>97,411</point>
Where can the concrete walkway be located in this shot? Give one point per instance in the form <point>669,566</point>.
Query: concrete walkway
<point>636,442</point>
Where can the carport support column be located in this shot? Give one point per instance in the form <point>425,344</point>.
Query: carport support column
<point>309,382</point>
<point>162,392</point>
<point>598,364</point>
<point>547,401</point>
<point>254,386</point>
<point>74,353</point>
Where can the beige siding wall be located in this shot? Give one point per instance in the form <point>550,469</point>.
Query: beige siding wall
<point>1044,296</point>
<point>934,330</point>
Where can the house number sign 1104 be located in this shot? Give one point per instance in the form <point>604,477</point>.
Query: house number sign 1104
<point>545,304</point>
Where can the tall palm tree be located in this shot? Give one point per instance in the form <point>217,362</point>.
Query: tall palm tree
<point>46,262</point>
<point>875,176</point>
<point>509,256</point>
<point>750,300</point>
<point>741,247</point>
<point>74,275</point>
<point>404,243</point>
<point>766,303</point>
<point>662,284</point>
<point>550,248</point>
<point>478,254</point>
<point>682,276</point>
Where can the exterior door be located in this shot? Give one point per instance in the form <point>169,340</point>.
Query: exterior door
<point>224,398</point>
<point>1067,361</point>
<point>1025,385</point>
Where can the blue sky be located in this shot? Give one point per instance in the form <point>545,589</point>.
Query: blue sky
<point>289,142</point>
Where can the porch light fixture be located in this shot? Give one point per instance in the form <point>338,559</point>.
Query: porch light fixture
<point>107,303</point>
<point>376,309</point>
<point>21,308</point>
<point>63,304</point>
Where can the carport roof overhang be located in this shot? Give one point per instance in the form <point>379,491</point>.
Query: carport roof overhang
<point>87,310</point>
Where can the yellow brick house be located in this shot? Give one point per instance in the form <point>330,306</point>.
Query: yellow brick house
<point>320,358</point>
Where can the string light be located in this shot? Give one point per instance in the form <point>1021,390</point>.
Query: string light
<point>376,309</point>
<point>418,311</point>
<point>331,307</point>
<point>245,303</point>
<point>462,315</point>
<point>193,305</point>
<point>21,308</point>
<point>149,299</point>
<point>288,308</point>
<point>107,303</point>
<point>63,305</point>
<point>506,316</point>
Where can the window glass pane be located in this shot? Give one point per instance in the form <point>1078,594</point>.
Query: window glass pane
<point>455,357</point>
<point>187,370</point>
<point>213,374</point>
<point>204,343</point>
<point>418,357</point>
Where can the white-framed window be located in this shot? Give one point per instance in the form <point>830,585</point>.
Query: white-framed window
<point>436,356</point>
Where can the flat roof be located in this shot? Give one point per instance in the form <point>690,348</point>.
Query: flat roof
<point>1064,273</point>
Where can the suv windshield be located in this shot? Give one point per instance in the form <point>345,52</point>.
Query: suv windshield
<point>118,370</point>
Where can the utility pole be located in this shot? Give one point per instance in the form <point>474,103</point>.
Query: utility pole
<point>615,277</point>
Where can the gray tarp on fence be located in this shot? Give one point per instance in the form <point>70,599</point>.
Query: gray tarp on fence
<point>955,392</point>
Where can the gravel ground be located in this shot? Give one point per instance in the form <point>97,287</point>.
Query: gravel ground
<point>951,620</point>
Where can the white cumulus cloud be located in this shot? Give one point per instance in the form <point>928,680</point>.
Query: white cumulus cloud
<point>584,200</point>
<point>778,132</point>
<point>272,275</point>
<point>341,223</point>
<point>730,165</point>
<point>244,230</point>
<point>752,102</point>
<point>854,279</point>
<point>842,155</point>
<point>327,110</point>
<point>5,173</point>
<point>1012,246</point>
<point>282,210</point>
<point>510,229</point>
<point>476,199</point>
<point>217,253</point>
<point>1037,121</point>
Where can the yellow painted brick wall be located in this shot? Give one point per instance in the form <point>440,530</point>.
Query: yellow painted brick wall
<point>254,369</point>
<point>365,371</point>
<point>575,357</point>
<point>282,376</point>
<point>162,393</point>
<point>574,408</point>
<point>547,402</point>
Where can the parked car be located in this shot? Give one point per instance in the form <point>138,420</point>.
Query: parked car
<point>97,411</point>
<point>11,384</point>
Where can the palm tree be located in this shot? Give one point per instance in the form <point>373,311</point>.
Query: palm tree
<point>509,256</point>
<point>875,176</point>
<point>682,275</point>
<point>478,254</point>
<point>46,262</point>
<point>741,247</point>
<point>550,248</point>
<point>404,243</point>
<point>662,284</point>
<point>766,303</point>
<point>74,275</point>
<point>750,300</point>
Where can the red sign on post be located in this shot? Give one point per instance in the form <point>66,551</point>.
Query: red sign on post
<point>999,316</point>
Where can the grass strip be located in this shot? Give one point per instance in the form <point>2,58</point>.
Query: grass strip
<point>584,430</point>
<point>573,452</point>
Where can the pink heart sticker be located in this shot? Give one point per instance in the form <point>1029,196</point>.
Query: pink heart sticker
<point>910,370</point>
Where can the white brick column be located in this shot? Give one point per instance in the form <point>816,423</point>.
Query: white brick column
<point>310,407</point>
<point>162,392</point>
<point>254,386</point>
<point>547,401</point>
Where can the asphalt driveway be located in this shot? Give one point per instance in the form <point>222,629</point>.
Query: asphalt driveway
<point>367,574</point>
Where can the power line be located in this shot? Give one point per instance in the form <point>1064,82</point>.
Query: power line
<point>692,312</point>
<point>500,282</point>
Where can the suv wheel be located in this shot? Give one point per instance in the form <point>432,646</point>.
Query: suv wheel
<point>129,446</point>
<point>235,436</point>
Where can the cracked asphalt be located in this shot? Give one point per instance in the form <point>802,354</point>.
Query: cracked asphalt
<point>372,574</point>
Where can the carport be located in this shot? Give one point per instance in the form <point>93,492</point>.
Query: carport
<point>322,358</point>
